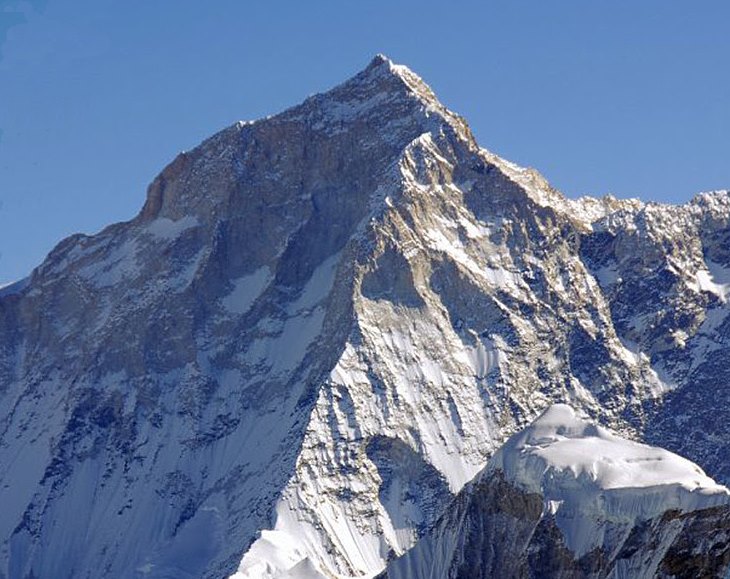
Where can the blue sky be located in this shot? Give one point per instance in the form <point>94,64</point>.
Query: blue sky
<point>96,96</point>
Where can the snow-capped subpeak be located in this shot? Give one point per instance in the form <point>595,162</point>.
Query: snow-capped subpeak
<point>585,472</point>
<point>568,498</point>
<point>559,445</point>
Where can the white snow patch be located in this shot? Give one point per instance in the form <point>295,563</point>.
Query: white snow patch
<point>318,287</point>
<point>658,381</point>
<point>495,276</point>
<point>607,276</point>
<point>715,279</point>
<point>707,339</point>
<point>475,230</point>
<point>277,554</point>
<point>165,228</point>
<point>285,349</point>
<point>347,372</point>
<point>286,552</point>
<point>482,357</point>
<point>284,352</point>
<point>706,283</point>
<point>245,291</point>
<point>119,265</point>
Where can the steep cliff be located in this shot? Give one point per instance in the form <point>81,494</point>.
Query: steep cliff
<point>317,330</point>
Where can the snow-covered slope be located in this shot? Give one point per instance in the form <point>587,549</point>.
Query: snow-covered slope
<point>318,329</point>
<point>566,498</point>
<point>560,442</point>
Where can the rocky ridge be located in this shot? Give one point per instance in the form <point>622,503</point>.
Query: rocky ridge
<point>320,326</point>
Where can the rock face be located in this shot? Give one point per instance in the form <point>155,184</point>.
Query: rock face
<point>566,498</point>
<point>318,329</point>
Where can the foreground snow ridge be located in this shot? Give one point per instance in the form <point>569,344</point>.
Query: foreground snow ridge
<point>567,498</point>
<point>559,447</point>
<point>582,469</point>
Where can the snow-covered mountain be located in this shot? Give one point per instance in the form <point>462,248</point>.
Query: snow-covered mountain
<point>567,498</point>
<point>319,328</point>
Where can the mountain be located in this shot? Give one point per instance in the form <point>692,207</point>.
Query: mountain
<point>318,329</point>
<point>567,498</point>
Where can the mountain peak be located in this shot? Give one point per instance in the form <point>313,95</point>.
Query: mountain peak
<point>382,89</point>
<point>320,328</point>
<point>406,80</point>
<point>370,118</point>
<point>382,65</point>
<point>379,60</point>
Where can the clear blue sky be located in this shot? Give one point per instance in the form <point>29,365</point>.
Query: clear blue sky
<point>96,96</point>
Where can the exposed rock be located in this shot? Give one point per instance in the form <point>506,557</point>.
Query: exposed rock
<point>299,290</point>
